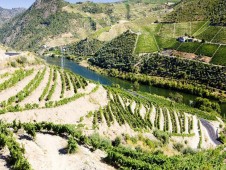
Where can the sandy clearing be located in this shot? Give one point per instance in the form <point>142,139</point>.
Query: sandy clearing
<point>186,122</point>
<point>9,70</point>
<point>195,140</point>
<point>57,92</point>
<point>169,121</point>
<point>153,114</point>
<point>142,111</point>
<point>161,120</point>
<point>18,87</point>
<point>69,113</point>
<point>133,106</point>
<point>44,153</point>
<point>3,154</point>
<point>113,32</point>
<point>177,122</point>
<point>34,97</point>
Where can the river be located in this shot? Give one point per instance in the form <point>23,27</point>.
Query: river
<point>106,80</point>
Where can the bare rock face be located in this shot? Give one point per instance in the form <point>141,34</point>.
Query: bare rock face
<point>7,14</point>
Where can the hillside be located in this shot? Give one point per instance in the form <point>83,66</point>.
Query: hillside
<point>201,10</point>
<point>86,47</point>
<point>59,23</point>
<point>117,53</point>
<point>7,14</point>
<point>70,122</point>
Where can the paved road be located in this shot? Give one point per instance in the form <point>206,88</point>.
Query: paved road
<point>211,131</point>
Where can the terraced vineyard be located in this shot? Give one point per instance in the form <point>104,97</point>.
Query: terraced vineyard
<point>39,87</point>
<point>125,109</point>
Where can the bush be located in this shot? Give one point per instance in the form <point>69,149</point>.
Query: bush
<point>72,145</point>
<point>189,150</point>
<point>99,143</point>
<point>116,142</point>
<point>206,105</point>
<point>162,136</point>
<point>178,146</point>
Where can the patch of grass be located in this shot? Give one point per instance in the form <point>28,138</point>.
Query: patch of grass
<point>167,30</point>
<point>221,37</point>
<point>209,34</point>
<point>100,31</point>
<point>182,29</point>
<point>164,42</point>
<point>146,44</point>
<point>189,47</point>
<point>198,26</point>
<point>207,49</point>
<point>220,57</point>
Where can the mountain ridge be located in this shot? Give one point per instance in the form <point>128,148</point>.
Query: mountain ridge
<point>7,14</point>
<point>193,10</point>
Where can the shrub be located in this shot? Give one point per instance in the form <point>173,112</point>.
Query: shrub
<point>189,150</point>
<point>72,145</point>
<point>162,136</point>
<point>116,142</point>
<point>178,146</point>
<point>98,143</point>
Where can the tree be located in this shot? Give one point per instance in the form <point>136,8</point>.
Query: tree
<point>176,97</point>
<point>136,86</point>
<point>127,11</point>
<point>72,145</point>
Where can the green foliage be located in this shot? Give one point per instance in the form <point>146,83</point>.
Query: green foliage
<point>189,151</point>
<point>72,145</point>
<point>39,22</point>
<point>222,136</point>
<point>98,142</point>
<point>136,86</point>
<point>178,146</point>
<point>30,129</point>
<point>219,58</point>
<point>146,44</point>
<point>45,91</point>
<point>207,49</point>
<point>206,105</point>
<point>117,141</point>
<point>162,136</point>
<point>176,97</point>
<point>131,159</point>
<point>17,76</point>
<point>177,68</point>
<point>52,90</point>
<point>16,160</point>
<point>86,47</point>
<point>189,47</point>
<point>123,157</point>
<point>118,53</point>
<point>127,11</point>
<point>92,8</point>
<point>193,10</point>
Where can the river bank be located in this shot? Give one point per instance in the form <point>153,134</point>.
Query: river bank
<point>102,76</point>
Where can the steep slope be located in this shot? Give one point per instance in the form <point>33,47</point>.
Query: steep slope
<point>55,23</point>
<point>199,10</point>
<point>118,53</point>
<point>86,47</point>
<point>7,14</point>
<point>42,20</point>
